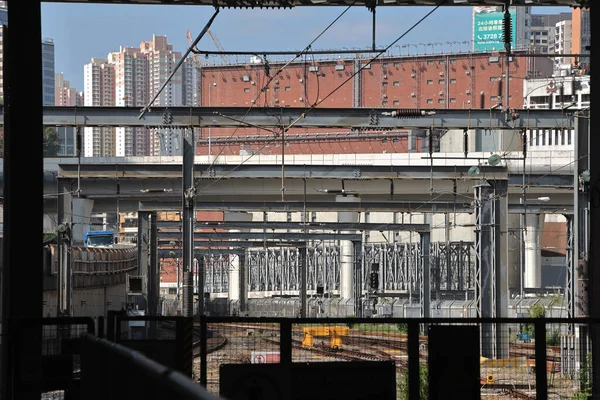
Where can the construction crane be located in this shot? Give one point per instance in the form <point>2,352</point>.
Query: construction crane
<point>218,46</point>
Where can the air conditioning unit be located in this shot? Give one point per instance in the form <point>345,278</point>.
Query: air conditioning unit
<point>276,100</point>
<point>276,80</point>
<point>441,74</point>
<point>253,83</point>
<point>385,77</point>
<point>468,91</point>
<point>253,101</point>
<point>441,93</point>
<point>385,96</point>
<point>413,95</point>
<point>246,78</point>
<point>413,75</point>
<point>301,80</point>
<point>301,99</point>
<point>468,72</point>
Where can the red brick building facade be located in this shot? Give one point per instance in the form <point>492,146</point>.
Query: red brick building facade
<point>456,81</point>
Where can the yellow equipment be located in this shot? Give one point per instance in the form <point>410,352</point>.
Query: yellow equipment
<point>334,332</point>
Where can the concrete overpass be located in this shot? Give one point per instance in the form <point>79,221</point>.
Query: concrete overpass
<point>384,182</point>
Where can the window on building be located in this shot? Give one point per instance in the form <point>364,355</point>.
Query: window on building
<point>384,103</point>
<point>441,101</point>
<point>246,90</point>
<point>384,65</point>
<point>430,62</point>
<point>442,62</point>
<point>429,101</point>
<point>430,81</point>
<point>384,83</point>
<point>276,89</point>
<point>493,78</point>
<point>396,64</point>
<point>396,83</point>
<point>452,61</point>
<point>441,81</point>
<point>453,80</point>
<point>396,102</point>
<point>452,100</point>
<point>569,137</point>
<point>287,88</point>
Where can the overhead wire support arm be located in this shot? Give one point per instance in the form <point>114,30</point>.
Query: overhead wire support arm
<point>188,51</point>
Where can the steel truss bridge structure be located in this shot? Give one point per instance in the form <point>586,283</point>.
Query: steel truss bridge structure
<point>277,270</point>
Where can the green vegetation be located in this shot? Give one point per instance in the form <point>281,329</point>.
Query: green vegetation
<point>585,380</point>
<point>51,142</point>
<point>536,311</point>
<point>402,384</point>
<point>49,238</point>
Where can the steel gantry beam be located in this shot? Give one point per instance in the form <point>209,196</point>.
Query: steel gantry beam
<point>272,117</point>
<point>361,206</point>
<point>165,226</point>
<point>330,3</point>
<point>167,237</point>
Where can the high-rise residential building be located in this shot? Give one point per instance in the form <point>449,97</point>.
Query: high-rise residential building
<point>99,90</point>
<point>161,63</point>
<point>48,71</point>
<point>137,76</point>
<point>131,89</point>
<point>488,33</point>
<point>64,94</point>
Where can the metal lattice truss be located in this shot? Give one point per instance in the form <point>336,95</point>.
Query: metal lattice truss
<point>277,269</point>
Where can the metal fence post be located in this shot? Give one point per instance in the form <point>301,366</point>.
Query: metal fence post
<point>413,361</point>
<point>285,342</point>
<point>203,352</point>
<point>541,378</point>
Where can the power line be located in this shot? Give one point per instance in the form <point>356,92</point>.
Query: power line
<point>326,97</point>
<point>271,78</point>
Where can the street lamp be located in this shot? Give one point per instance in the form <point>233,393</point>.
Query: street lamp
<point>468,43</point>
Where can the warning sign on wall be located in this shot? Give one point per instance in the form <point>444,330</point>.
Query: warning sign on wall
<point>264,357</point>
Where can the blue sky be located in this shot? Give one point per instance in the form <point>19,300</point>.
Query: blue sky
<point>81,31</point>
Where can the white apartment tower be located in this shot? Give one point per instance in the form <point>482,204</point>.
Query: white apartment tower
<point>563,39</point>
<point>130,78</point>
<point>99,82</point>
<point>161,63</point>
<point>131,90</point>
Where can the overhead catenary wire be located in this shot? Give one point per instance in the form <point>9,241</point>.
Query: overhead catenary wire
<point>271,78</point>
<point>181,61</point>
<point>288,127</point>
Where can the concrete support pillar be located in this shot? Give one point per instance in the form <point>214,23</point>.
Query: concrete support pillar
<point>532,239</point>
<point>346,269</point>
<point>237,280</point>
<point>347,249</point>
<point>234,278</point>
